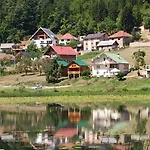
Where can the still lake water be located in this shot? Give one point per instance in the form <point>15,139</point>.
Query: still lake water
<point>62,127</point>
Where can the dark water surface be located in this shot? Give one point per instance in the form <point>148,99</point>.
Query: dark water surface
<point>61,127</point>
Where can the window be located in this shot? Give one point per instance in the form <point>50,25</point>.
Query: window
<point>86,43</point>
<point>42,42</point>
<point>49,42</point>
<point>62,40</point>
<point>113,66</point>
<point>106,66</point>
<point>98,67</point>
<point>104,59</point>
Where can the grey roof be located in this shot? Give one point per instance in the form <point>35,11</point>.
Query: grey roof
<point>49,33</point>
<point>6,45</point>
<point>94,36</point>
<point>107,43</point>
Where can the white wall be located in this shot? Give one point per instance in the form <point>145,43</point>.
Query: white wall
<point>42,42</point>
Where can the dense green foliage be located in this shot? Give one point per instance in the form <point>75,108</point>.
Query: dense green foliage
<point>20,18</point>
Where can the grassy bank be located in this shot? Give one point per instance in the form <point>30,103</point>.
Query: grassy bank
<point>103,99</point>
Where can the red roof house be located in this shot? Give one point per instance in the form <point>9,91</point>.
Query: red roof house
<point>66,38</point>
<point>66,132</point>
<point>65,53</point>
<point>121,34</point>
<point>122,37</point>
<point>6,56</point>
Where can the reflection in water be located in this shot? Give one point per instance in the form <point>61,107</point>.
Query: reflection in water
<point>61,127</point>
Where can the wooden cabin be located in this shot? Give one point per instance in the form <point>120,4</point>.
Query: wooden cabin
<point>76,67</point>
<point>64,67</point>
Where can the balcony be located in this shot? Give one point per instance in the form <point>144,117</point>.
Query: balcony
<point>74,72</point>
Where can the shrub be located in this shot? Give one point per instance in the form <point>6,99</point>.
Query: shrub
<point>86,74</point>
<point>120,76</point>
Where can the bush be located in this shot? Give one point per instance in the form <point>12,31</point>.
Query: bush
<point>86,74</point>
<point>120,76</point>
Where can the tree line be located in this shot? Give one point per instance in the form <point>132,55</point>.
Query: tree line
<point>19,19</point>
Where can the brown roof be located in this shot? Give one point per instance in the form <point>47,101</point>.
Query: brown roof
<point>120,34</point>
<point>67,36</point>
<point>6,56</point>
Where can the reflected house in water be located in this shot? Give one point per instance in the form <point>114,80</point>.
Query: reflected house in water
<point>144,113</point>
<point>65,135</point>
<point>104,118</point>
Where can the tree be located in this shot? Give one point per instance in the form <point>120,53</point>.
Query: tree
<point>139,59</point>
<point>52,71</point>
<point>33,51</point>
<point>24,65</point>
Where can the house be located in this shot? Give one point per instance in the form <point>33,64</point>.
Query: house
<point>109,64</point>
<point>44,37</point>
<point>147,71</point>
<point>20,47</point>
<point>108,45</point>
<point>64,67</point>
<point>91,41</point>
<point>123,38</point>
<point>6,47</point>
<point>76,67</point>
<point>65,135</point>
<point>63,52</point>
<point>67,38</point>
<point>7,56</point>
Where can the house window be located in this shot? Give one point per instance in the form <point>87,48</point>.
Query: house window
<point>41,37</point>
<point>98,67</point>
<point>104,59</point>
<point>49,42</point>
<point>42,42</point>
<point>86,43</point>
<point>106,66</point>
<point>68,40</point>
<point>62,40</point>
<point>113,66</point>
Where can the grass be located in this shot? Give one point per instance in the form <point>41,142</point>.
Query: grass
<point>89,55</point>
<point>90,99</point>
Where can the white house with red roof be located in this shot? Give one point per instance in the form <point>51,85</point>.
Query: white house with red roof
<point>64,52</point>
<point>44,37</point>
<point>123,38</point>
<point>67,38</point>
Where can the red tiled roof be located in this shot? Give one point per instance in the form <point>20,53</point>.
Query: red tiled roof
<point>66,132</point>
<point>67,36</point>
<point>64,50</point>
<point>120,34</point>
<point>6,56</point>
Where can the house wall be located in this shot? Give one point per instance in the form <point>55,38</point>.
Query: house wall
<point>108,48</point>
<point>44,42</point>
<point>91,44</point>
<point>66,41</point>
<point>124,68</point>
<point>68,58</point>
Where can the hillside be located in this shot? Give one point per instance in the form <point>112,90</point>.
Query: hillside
<point>125,53</point>
<point>19,19</point>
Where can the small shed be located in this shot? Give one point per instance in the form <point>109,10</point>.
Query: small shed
<point>76,67</point>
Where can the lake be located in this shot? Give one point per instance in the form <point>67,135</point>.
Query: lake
<point>89,127</point>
